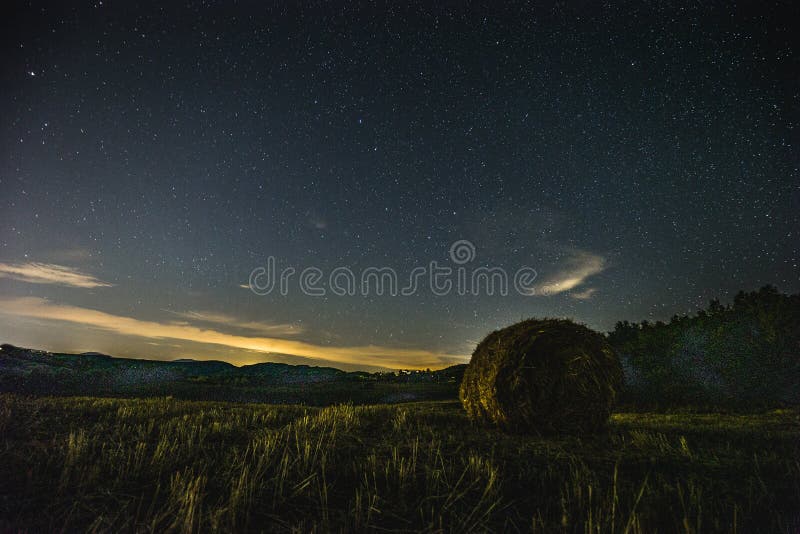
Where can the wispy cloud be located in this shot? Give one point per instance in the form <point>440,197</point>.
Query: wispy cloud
<point>580,266</point>
<point>261,327</point>
<point>49,273</point>
<point>586,294</point>
<point>367,355</point>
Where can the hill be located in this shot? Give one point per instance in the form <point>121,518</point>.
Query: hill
<point>38,372</point>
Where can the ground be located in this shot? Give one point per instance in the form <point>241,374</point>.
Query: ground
<point>104,464</point>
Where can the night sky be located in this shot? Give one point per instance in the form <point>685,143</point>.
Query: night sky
<point>642,160</point>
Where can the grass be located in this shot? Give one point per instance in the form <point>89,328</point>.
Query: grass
<point>165,465</point>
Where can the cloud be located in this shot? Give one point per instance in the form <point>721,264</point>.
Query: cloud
<point>270,329</point>
<point>367,355</point>
<point>580,266</point>
<point>49,273</point>
<point>586,294</point>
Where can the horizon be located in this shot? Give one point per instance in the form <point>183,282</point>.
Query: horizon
<point>239,366</point>
<point>373,190</point>
<point>286,359</point>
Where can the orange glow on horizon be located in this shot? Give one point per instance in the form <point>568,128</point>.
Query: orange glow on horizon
<point>368,355</point>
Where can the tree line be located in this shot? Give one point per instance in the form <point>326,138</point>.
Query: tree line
<point>746,352</point>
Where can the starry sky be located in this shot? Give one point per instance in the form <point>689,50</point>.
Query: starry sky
<point>642,159</point>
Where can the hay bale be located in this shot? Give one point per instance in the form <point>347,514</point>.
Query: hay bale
<point>542,376</point>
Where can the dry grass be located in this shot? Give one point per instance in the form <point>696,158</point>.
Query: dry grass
<point>161,465</point>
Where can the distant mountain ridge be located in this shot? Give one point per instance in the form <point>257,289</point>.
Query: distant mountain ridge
<point>38,372</point>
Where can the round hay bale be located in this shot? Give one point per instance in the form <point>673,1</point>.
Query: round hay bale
<point>542,376</point>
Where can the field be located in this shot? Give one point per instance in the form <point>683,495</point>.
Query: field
<point>166,465</point>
